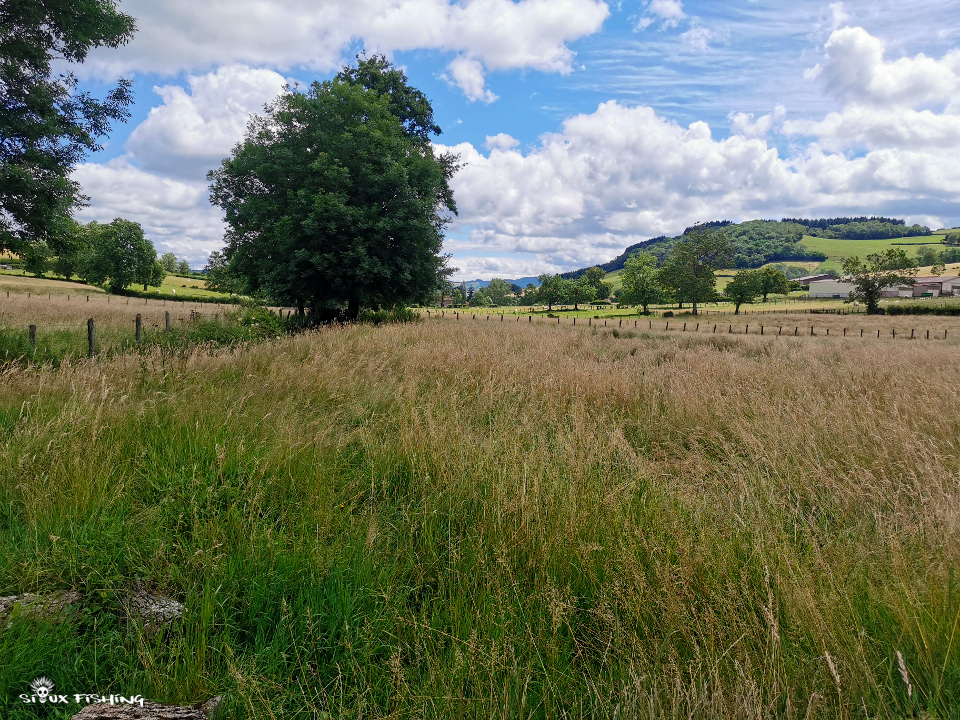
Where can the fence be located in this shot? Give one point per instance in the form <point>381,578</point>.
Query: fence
<point>766,330</point>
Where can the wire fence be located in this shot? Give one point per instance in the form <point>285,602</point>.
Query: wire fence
<point>701,327</point>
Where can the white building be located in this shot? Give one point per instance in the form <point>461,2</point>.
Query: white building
<point>830,288</point>
<point>947,285</point>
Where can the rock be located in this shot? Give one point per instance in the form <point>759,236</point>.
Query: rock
<point>153,610</point>
<point>42,607</point>
<point>150,711</point>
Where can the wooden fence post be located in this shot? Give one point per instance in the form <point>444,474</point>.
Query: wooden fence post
<point>91,338</point>
<point>139,327</point>
<point>33,338</point>
<point>166,319</point>
<point>668,325</point>
<point>746,330</point>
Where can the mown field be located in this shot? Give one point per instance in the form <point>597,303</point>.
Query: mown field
<point>173,286</point>
<point>453,519</point>
<point>838,249</point>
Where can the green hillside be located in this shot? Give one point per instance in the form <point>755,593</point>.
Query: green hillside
<point>837,249</point>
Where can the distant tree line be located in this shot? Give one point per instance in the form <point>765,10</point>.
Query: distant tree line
<point>824,223</point>
<point>115,255</point>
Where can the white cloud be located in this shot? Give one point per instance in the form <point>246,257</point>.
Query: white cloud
<point>178,35</point>
<point>668,12</point>
<point>855,70</point>
<point>176,215</point>
<point>840,14</point>
<point>697,39</point>
<point>744,124</point>
<point>501,141</point>
<point>192,131</point>
<point>623,174</point>
<point>467,74</point>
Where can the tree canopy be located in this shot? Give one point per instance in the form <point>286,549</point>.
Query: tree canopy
<point>120,255</point>
<point>641,282</point>
<point>46,124</point>
<point>335,197</point>
<point>690,267</point>
<point>890,268</point>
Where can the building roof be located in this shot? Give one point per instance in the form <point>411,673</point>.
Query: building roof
<point>935,280</point>
<point>813,278</point>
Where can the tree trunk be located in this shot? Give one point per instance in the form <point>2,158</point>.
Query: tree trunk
<point>353,309</point>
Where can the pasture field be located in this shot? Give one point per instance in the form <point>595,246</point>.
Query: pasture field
<point>173,286</point>
<point>837,249</point>
<point>453,519</point>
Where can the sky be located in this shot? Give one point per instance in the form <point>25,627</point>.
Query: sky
<point>584,126</point>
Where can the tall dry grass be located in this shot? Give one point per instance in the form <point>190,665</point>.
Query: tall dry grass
<point>475,519</point>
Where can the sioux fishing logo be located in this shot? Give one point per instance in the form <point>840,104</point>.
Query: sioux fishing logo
<point>42,693</point>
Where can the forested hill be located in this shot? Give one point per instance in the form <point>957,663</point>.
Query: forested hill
<point>754,243</point>
<point>757,242</point>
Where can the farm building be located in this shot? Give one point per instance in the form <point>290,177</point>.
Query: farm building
<point>923,287</point>
<point>830,287</point>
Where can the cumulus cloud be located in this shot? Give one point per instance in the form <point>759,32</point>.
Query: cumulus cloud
<point>744,124</point>
<point>467,74</point>
<point>175,214</point>
<point>178,35</point>
<point>623,174</point>
<point>500,141</point>
<point>603,180</point>
<point>856,71</point>
<point>194,129</point>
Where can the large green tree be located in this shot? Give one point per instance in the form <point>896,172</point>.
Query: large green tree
<point>499,292</point>
<point>553,290</point>
<point>580,291</point>
<point>73,244</point>
<point>641,282</point>
<point>690,267</point>
<point>120,256</point>
<point>46,124</point>
<point>771,281</point>
<point>334,200</point>
<point>743,288</point>
<point>594,277</point>
<point>891,268</point>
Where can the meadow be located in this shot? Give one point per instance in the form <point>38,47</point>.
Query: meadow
<point>837,249</point>
<point>476,519</point>
<point>173,287</point>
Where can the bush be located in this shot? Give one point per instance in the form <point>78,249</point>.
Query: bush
<point>917,309</point>
<point>389,315</point>
<point>668,313</point>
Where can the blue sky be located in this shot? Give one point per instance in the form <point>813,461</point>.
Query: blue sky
<point>586,125</point>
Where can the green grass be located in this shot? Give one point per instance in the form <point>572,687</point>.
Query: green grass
<point>455,520</point>
<point>173,286</point>
<point>836,250</point>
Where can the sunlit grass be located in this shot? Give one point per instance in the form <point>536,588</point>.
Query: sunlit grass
<point>481,519</point>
